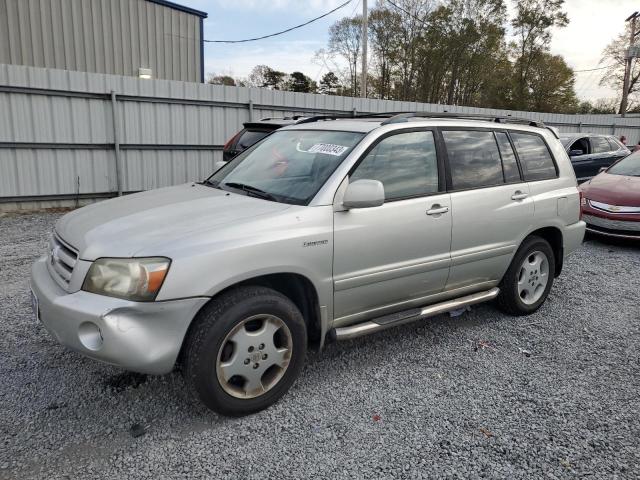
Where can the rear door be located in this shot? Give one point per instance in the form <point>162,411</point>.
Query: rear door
<point>490,203</point>
<point>391,258</point>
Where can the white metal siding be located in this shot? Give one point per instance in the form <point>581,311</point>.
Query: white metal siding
<point>102,36</point>
<point>194,119</point>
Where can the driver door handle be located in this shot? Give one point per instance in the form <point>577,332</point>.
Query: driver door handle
<point>518,195</point>
<point>437,210</point>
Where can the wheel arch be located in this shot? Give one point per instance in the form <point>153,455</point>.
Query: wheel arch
<point>553,235</point>
<point>297,287</point>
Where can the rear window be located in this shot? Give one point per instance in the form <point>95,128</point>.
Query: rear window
<point>534,155</point>
<point>614,145</point>
<point>249,137</point>
<point>474,160</point>
<point>600,145</point>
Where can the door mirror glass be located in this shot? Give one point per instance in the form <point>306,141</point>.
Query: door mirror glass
<point>575,153</point>
<point>364,194</point>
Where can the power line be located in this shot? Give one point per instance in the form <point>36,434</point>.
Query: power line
<point>423,21</point>
<point>283,31</point>
<point>594,69</point>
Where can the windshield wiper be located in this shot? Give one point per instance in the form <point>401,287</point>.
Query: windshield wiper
<point>210,183</point>
<point>251,190</point>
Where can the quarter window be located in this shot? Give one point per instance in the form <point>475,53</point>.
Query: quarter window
<point>474,160</point>
<point>534,156</point>
<point>405,163</point>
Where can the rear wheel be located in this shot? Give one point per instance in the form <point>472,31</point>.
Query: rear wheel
<point>527,283</point>
<point>245,351</point>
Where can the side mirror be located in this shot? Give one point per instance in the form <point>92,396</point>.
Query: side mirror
<point>602,169</point>
<point>575,153</point>
<point>364,194</point>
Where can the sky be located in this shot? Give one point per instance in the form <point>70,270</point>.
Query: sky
<point>593,23</point>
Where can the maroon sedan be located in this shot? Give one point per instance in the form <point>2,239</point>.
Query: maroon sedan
<point>611,200</point>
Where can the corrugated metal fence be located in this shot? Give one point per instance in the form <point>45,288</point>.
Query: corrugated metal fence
<point>60,141</point>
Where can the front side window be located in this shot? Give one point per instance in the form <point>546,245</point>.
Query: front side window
<point>628,166</point>
<point>474,160</point>
<point>600,145</point>
<point>405,163</point>
<point>289,166</point>
<point>534,156</point>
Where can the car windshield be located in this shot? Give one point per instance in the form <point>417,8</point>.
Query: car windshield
<point>288,166</point>
<point>628,166</point>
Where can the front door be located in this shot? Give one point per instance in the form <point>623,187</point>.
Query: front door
<point>392,257</point>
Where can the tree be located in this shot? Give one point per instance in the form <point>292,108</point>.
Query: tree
<point>614,56</point>
<point>221,80</point>
<point>344,40</point>
<point>551,83</point>
<point>298,82</point>
<point>532,26</point>
<point>263,76</point>
<point>385,46</point>
<point>329,84</point>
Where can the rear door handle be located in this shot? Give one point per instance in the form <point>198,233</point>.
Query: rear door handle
<point>518,195</point>
<point>437,210</point>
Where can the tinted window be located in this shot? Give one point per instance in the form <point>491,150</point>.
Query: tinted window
<point>534,155</point>
<point>600,145</point>
<point>628,166</point>
<point>474,160</point>
<point>405,163</point>
<point>509,163</point>
<point>249,137</point>
<point>289,166</point>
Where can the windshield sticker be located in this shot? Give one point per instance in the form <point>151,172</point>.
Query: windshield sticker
<point>328,149</point>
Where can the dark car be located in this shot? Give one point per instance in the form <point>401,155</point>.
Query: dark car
<point>590,153</point>
<point>253,132</point>
<point>611,200</point>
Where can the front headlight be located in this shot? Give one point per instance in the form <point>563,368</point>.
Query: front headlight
<point>137,279</point>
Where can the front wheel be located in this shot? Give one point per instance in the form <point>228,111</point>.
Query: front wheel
<point>527,283</point>
<point>245,350</point>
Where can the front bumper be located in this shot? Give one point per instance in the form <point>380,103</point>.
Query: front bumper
<point>612,225</point>
<point>139,336</point>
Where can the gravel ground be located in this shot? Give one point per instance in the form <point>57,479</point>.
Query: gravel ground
<point>553,395</point>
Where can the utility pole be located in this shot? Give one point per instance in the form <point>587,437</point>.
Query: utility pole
<point>630,54</point>
<point>363,81</point>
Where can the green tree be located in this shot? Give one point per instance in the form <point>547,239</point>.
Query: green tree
<point>551,83</point>
<point>329,84</point>
<point>532,26</point>
<point>221,80</point>
<point>299,82</point>
<point>263,76</point>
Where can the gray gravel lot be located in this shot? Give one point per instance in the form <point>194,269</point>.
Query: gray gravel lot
<point>553,395</point>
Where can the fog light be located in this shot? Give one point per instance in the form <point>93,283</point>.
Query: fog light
<point>90,336</point>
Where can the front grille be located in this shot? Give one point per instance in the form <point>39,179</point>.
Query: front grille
<point>62,260</point>
<point>616,225</point>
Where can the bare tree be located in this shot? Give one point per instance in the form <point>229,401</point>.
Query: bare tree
<point>344,40</point>
<point>614,56</point>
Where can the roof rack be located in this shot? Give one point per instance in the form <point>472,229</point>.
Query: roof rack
<point>404,117</point>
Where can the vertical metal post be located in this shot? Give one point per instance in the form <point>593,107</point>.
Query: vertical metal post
<point>363,81</point>
<point>116,141</point>
<point>580,126</point>
<point>251,110</point>
<point>628,65</point>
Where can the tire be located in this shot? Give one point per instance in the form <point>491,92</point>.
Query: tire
<point>521,289</point>
<point>226,353</point>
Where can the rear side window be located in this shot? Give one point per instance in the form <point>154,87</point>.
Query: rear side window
<point>534,156</point>
<point>405,163</point>
<point>614,145</point>
<point>600,145</point>
<point>249,137</point>
<point>474,160</point>
<point>509,163</point>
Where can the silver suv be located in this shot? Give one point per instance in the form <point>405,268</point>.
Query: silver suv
<point>326,230</point>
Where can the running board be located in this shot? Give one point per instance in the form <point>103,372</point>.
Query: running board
<point>387,321</point>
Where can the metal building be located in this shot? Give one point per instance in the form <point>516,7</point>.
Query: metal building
<point>138,38</point>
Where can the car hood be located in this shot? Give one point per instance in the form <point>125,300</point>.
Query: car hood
<point>123,226</point>
<point>614,189</point>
